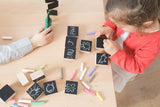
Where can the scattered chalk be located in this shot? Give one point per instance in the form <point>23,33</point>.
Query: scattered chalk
<point>90,73</point>
<point>27,70</point>
<point>99,96</point>
<point>91,33</point>
<point>12,100</point>
<point>14,105</point>
<point>85,85</point>
<point>91,78</point>
<point>25,101</point>
<point>22,105</point>
<point>38,103</point>
<point>7,38</point>
<point>41,67</point>
<point>61,73</point>
<point>89,91</point>
<point>82,66</point>
<point>83,73</point>
<point>73,75</point>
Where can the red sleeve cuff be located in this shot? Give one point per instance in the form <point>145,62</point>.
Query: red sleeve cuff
<point>110,24</point>
<point>114,56</point>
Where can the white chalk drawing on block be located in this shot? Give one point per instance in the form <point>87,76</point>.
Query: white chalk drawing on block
<point>72,31</point>
<point>103,59</point>
<point>70,43</point>
<point>34,91</point>
<point>70,88</point>
<point>85,46</point>
<point>70,52</point>
<point>50,88</point>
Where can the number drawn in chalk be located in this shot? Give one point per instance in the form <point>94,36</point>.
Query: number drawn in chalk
<point>70,43</point>
<point>103,59</point>
<point>50,88</point>
<point>72,31</point>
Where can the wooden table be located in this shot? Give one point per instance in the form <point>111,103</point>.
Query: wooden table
<point>23,18</point>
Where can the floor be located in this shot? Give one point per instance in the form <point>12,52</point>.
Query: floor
<point>144,91</point>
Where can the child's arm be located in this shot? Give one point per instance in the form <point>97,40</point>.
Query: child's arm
<point>20,48</point>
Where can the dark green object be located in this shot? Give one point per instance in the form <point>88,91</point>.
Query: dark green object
<point>48,21</point>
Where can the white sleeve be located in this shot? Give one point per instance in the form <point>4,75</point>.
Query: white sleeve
<point>15,50</point>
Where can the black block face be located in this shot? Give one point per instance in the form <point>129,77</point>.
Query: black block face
<point>48,1</point>
<point>6,92</point>
<point>35,91</point>
<point>70,53</point>
<point>53,12</point>
<point>86,45</point>
<point>53,5</point>
<point>71,42</point>
<point>99,42</point>
<point>72,31</point>
<point>101,59</point>
<point>71,87</point>
<point>50,87</point>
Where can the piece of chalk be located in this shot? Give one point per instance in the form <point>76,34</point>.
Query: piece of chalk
<point>41,67</point>
<point>25,101</point>
<point>7,37</point>
<point>61,73</point>
<point>90,73</point>
<point>104,40</point>
<point>85,85</point>
<point>38,103</point>
<point>99,96</point>
<point>82,66</point>
<point>22,105</point>
<point>83,73</point>
<point>27,70</point>
<point>73,75</point>
<point>91,33</point>
<point>89,91</point>
<point>91,78</point>
<point>14,105</point>
<point>12,100</point>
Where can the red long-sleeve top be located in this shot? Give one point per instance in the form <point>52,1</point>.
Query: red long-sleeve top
<point>139,50</point>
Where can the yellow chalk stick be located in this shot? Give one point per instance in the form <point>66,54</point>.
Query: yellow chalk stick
<point>99,96</point>
<point>104,40</point>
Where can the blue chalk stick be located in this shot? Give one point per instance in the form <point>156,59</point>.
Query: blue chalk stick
<point>91,71</point>
<point>90,33</point>
<point>14,105</point>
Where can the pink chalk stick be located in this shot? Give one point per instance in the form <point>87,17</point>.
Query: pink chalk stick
<point>22,105</point>
<point>73,75</point>
<point>13,100</point>
<point>89,91</point>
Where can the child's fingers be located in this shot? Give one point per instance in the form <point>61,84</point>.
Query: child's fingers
<point>45,32</point>
<point>40,30</point>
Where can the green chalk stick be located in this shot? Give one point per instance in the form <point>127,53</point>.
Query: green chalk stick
<point>41,67</point>
<point>37,103</point>
<point>48,21</point>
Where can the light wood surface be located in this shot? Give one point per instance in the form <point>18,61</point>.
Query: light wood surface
<point>22,18</point>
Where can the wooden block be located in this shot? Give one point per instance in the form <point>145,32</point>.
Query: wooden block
<point>99,42</point>
<point>38,75</point>
<point>53,12</point>
<point>73,31</point>
<point>70,53</point>
<point>48,1</point>
<point>35,91</point>
<point>7,93</point>
<point>50,87</point>
<point>71,42</point>
<point>101,59</point>
<point>53,5</point>
<point>86,46</point>
<point>71,87</point>
<point>22,79</point>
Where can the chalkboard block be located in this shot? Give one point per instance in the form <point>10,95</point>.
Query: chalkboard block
<point>73,31</point>
<point>48,1</point>
<point>52,12</point>
<point>86,46</point>
<point>99,42</point>
<point>71,42</point>
<point>35,91</point>
<point>101,59</point>
<point>53,5</point>
<point>71,87</point>
<point>6,93</point>
<point>70,53</point>
<point>50,87</point>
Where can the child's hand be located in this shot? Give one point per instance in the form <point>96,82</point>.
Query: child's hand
<point>107,31</point>
<point>42,37</point>
<point>110,47</point>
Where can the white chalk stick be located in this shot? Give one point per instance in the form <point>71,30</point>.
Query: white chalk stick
<point>27,70</point>
<point>83,73</point>
<point>22,79</point>
<point>7,37</point>
<point>25,101</point>
<point>82,66</point>
<point>85,85</point>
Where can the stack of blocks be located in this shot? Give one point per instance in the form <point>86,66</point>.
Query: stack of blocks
<point>52,4</point>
